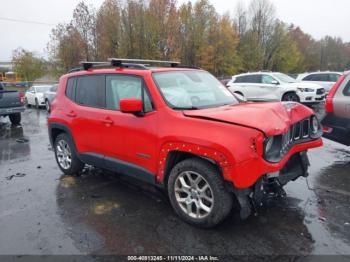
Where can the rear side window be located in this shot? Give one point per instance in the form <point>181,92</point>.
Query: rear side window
<point>248,79</point>
<point>123,86</point>
<point>70,90</point>
<point>90,91</point>
<point>317,77</point>
<point>240,79</point>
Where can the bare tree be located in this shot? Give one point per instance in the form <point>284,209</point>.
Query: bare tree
<point>240,18</point>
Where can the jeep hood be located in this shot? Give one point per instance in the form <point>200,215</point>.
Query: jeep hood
<point>269,118</point>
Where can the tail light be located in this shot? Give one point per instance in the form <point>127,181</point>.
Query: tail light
<point>21,97</point>
<point>329,98</point>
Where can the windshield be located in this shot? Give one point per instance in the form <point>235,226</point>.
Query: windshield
<point>284,78</point>
<point>192,90</point>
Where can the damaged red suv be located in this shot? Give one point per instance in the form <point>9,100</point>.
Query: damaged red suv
<point>180,129</point>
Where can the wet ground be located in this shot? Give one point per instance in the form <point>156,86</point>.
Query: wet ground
<point>44,212</point>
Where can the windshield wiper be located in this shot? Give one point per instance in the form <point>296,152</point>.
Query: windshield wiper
<point>186,108</point>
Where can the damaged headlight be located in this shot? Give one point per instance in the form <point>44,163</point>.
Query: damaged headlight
<point>268,144</point>
<point>303,131</point>
<point>315,127</point>
<point>272,148</point>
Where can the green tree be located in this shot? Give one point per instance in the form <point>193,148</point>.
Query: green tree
<point>109,30</point>
<point>66,48</point>
<point>27,64</point>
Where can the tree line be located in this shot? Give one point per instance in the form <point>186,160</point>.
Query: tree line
<point>195,34</point>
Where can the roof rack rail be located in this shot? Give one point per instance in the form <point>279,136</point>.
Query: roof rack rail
<point>123,61</point>
<point>87,65</point>
<point>126,63</point>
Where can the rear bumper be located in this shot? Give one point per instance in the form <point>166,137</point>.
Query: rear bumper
<point>336,129</point>
<point>11,110</point>
<point>247,173</point>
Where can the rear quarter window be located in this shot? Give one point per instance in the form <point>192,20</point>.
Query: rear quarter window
<point>317,77</point>
<point>248,79</point>
<point>90,91</point>
<point>240,79</point>
<point>70,89</point>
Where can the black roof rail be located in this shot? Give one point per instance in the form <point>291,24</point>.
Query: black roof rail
<point>123,61</point>
<point>126,63</point>
<point>87,65</point>
<point>76,69</point>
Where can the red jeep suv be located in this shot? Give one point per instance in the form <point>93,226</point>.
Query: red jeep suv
<point>180,129</point>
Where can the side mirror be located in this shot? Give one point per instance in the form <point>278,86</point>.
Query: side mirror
<point>132,105</point>
<point>275,82</point>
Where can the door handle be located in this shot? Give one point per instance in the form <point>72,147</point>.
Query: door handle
<point>108,121</point>
<point>72,114</point>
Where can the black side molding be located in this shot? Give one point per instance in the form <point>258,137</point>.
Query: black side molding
<point>118,166</point>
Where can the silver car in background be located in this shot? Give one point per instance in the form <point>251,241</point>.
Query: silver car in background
<point>336,123</point>
<point>49,96</point>
<point>325,79</point>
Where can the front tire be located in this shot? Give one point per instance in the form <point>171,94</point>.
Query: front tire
<point>36,103</point>
<point>15,119</point>
<point>66,157</point>
<point>197,193</point>
<point>47,105</point>
<point>291,97</point>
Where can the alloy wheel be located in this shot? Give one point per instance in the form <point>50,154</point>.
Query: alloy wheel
<point>64,154</point>
<point>194,194</point>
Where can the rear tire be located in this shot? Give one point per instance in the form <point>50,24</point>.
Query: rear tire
<point>15,119</point>
<point>291,97</point>
<point>197,193</point>
<point>47,105</point>
<point>26,102</point>
<point>66,157</point>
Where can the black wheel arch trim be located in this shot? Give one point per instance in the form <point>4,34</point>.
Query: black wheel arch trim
<point>65,129</point>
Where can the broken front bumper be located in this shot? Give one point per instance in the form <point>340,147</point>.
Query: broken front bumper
<point>272,184</point>
<point>246,174</point>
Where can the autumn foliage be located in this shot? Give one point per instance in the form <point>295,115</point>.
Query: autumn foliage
<point>196,35</point>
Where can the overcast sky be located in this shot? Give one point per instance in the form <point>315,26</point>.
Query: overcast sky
<point>317,17</point>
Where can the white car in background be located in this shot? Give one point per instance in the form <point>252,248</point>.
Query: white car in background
<point>325,79</point>
<point>35,95</point>
<point>270,86</point>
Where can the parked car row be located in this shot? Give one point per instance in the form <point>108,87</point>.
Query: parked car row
<point>41,96</point>
<point>269,86</point>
